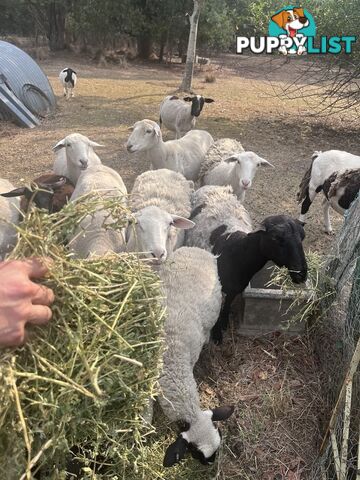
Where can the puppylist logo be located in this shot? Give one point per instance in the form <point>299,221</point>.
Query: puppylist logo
<point>292,30</point>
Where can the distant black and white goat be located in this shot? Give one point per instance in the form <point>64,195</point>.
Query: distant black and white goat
<point>180,117</point>
<point>68,79</point>
<point>323,166</point>
<point>222,225</point>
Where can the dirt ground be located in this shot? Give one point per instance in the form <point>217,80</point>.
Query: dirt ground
<point>272,380</point>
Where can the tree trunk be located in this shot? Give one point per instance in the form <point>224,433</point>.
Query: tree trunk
<point>144,46</point>
<point>56,26</point>
<point>191,50</point>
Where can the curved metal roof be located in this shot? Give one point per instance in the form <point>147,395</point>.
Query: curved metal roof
<point>26,80</point>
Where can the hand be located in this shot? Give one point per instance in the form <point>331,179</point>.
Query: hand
<point>22,300</point>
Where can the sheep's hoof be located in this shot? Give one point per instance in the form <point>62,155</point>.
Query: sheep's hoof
<point>329,232</point>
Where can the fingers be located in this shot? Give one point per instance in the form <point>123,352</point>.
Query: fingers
<point>43,296</point>
<point>39,314</point>
<point>12,336</point>
<point>36,267</point>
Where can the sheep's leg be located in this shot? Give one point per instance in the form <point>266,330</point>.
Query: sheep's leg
<point>223,320</point>
<point>65,92</point>
<point>72,92</point>
<point>327,222</point>
<point>310,195</point>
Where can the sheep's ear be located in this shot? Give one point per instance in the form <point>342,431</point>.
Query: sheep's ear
<point>15,193</point>
<point>95,144</point>
<point>301,228</point>
<point>260,228</point>
<point>187,99</point>
<point>209,100</point>
<point>222,413</point>
<point>157,130</point>
<point>59,145</point>
<point>57,184</point>
<point>175,452</point>
<point>182,222</point>
<point>264,162</point>
<point>231,159</point>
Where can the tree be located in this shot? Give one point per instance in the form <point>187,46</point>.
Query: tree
<point>191,50</point>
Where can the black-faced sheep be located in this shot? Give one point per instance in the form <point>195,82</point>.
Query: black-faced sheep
<point>68,79</point>
<point>242,252</point>
<point>178,116</point>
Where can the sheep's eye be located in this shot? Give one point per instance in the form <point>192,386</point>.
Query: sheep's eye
<point>148,131</point>
<point>172,223</point>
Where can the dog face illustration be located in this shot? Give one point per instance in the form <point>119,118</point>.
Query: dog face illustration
<point>291,20</point>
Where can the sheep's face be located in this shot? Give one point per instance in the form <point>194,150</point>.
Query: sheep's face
<point>202,438</point>
<point>245,166</point>
<point>282,243</point>
<point>155,233</point>
<point>197,104</point>
<point>145,135</point>
<point>78,148</point>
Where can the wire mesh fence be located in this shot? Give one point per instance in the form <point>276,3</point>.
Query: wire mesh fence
<point>336,337</point>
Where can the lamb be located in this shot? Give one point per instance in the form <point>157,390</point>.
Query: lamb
<point>48,191</point>
<point>184,155</point>
<point>243,252</point>
<point>323,165</point>
<point>342,189</point>
<point>9,216</point>
<point>73,154</point>
<point>160,200</point>
<point>68,79</point>
<point>179,117</point>
<point>96,235</point>
<point>227,163</point>
<point>189,320</point>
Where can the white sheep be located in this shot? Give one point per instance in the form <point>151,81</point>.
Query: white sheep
<point>226,163</point>
<point>180,117</point>
<point>160,200</point>
<point>9,216</point>
<point>68,79</point>
<point>95,235</point>
<point>323,165</point>
<point>184,155</point>
<point>193,299</point>
<point>73,154</point>
<point>214,206</point>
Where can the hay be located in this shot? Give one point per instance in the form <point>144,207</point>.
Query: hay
<point>306,300</point>
<point>79,386</point>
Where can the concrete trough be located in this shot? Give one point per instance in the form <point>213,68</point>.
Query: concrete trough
<point>261,310</point>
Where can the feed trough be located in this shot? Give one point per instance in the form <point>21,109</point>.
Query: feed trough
<point>262,309</point>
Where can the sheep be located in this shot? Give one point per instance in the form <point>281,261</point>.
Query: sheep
<point>73,154</point>
<point>323,165</point>
<point>214,206</point>
<point>192,294</point>
<point>184,155</point>
<point>48,191</point>
<point>95,235</point>
<point>227,163</point>
<point>179,117</point>
<point>68,79</point>
<point>243,252</point>
<point>9,216</point>
<point>202,60</point>
<point>342,189</point>
<point>160,200</point>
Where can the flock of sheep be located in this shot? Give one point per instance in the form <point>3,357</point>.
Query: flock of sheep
<point>192,196</point>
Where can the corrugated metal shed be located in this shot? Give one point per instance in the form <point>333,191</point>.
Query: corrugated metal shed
<point>26,80</point>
